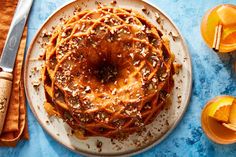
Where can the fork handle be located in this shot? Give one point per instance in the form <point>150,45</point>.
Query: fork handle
<point>5,94</point>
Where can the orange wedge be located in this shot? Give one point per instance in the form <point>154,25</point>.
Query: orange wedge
<point>224,110</point>
<point>232,118</point>
<point>220,109</point>
<point>213,116</point>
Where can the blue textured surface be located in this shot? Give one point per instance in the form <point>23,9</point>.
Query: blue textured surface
<point>212,75</point>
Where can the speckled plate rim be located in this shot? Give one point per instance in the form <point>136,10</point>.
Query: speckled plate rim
<point>138,150</point>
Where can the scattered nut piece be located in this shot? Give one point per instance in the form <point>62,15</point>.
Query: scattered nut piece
<point>42,57</point>
<point>179,98</point>
<point>99,145</point>
<point>158,18</point>
<point>144,9</point>
<point>174,35</point>
<point>46,34</point>
<point>113,2</point>
<point>177,67</point>
<point>99,4</point>
<point>34,70</point>
<point>35,84</point>
<point>77,9</point>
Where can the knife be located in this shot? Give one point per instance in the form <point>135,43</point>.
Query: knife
<point>9,52</point>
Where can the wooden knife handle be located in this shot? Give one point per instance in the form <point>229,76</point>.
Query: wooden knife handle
<point>5,94</point>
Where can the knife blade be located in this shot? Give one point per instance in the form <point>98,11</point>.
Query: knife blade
<point>14,35</point>
<point>9,52</point>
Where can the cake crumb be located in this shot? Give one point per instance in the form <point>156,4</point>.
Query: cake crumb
<point>174,35</point>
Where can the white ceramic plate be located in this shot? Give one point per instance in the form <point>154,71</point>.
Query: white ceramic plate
<point>165,122</point>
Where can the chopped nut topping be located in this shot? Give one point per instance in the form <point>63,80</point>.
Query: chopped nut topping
<point>77,9</point>
<point>119,55</point>
<point>154,80</point>
<point>163,76</point>
<point>143,52</point>
<point>63,35</point>
<point>131,55</point>
<point>136,62</point>
<point>150,87</point>
<point>98,3</point>
<point>87,89</point>
<point>46,34</point>
<point>154,63</point>
<point>114,91</point>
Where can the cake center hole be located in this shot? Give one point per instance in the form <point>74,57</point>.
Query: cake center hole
<point>106,72</point>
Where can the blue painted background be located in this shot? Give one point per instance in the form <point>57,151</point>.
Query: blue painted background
<point>213,75</point>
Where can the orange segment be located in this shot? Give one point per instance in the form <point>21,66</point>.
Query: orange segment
<point>220,109</point>
<point>227,15</point>
<point>222,113</point>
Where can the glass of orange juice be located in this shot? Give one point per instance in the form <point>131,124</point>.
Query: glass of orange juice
<point>224,15</point>
<point>218,119</point>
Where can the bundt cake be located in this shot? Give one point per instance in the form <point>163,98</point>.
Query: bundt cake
<point>108,72</point>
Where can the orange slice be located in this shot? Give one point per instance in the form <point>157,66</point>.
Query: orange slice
<point>220,109</point>
<point>227,15</point>
<point>232,117</point>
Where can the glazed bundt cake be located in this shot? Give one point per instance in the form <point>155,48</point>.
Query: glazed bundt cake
<point>108,72</point>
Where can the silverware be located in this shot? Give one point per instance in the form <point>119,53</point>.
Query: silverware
<point>10,50</point>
